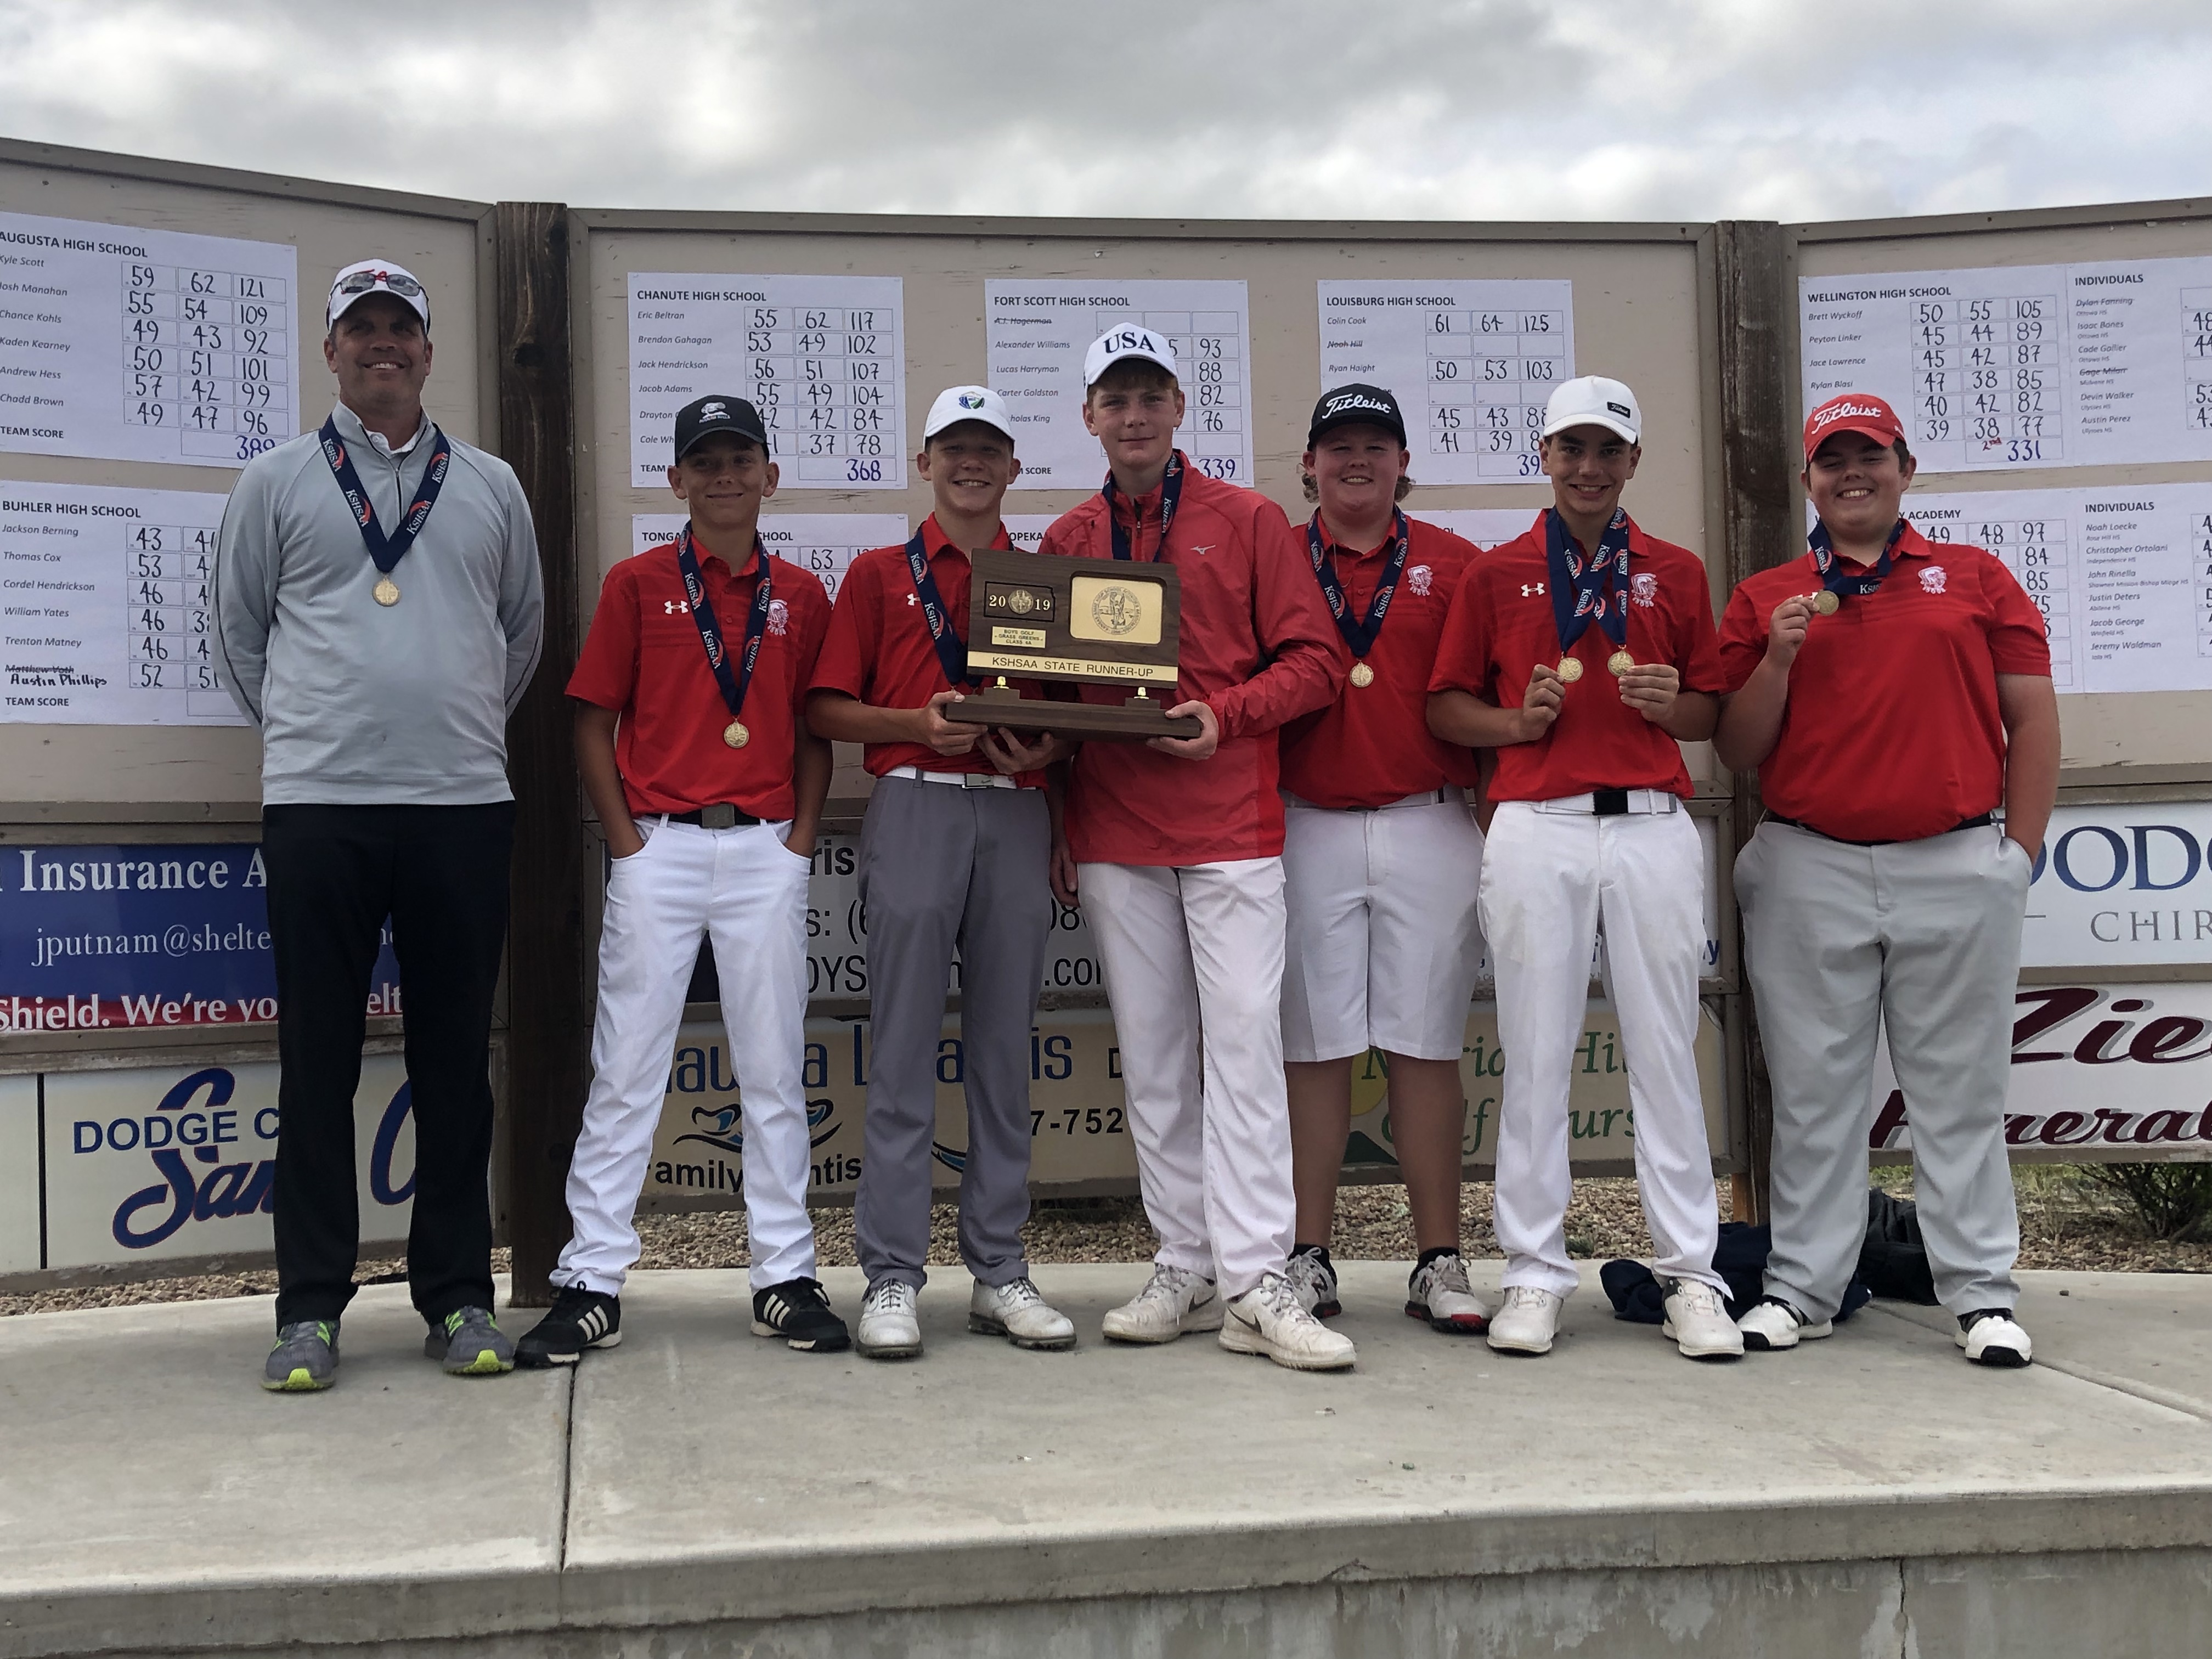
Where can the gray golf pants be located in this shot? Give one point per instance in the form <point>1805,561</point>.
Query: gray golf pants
<point>1921,939</point>
<point>941,866</point>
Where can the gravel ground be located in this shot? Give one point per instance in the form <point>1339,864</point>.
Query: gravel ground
<point>2067,1221</point>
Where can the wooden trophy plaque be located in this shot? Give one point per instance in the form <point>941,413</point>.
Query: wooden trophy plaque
<point>1089,621</point>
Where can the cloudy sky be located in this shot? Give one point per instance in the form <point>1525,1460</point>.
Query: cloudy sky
<point>1482,109</point>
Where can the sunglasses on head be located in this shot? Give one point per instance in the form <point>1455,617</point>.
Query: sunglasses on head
<point>394,282</point>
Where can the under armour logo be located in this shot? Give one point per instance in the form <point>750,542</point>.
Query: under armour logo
<point>1528,588</point>
<point>913,599</point>
<point>674,608</point>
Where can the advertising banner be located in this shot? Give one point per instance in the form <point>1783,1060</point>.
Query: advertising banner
<point>1078,1118</point>
<point>2125,885</point>
<point>140,1165</point>
<point>2105,1071</point>
<point>95,937</point>
<point>19,1215</point>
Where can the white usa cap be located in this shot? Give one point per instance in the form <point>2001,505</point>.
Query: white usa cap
<point>1127,341</point>
<point>957,404</point>
<point>1593,400</point>
<point>367,277</point>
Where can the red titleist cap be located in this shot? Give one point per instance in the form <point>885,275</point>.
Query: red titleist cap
<point>1854,411</point>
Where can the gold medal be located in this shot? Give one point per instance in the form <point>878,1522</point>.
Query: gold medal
<point>1826,603</point>
<point>735,734</point>
<point>1618,664</point>
<point>387,591</point>
<point>1362,675</point>
<point>1570,669</point>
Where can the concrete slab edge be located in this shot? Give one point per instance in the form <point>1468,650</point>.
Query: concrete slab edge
<point>1066,1565</point>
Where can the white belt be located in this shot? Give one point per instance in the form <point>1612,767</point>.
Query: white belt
<point>966,780</point>
<point>1451,793</point>
<point>1657,803</point>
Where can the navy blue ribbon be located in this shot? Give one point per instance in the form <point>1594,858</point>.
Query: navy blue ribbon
<point>733,683</point>
<point>1360,633</point>
<point>1842,578</point>
<point>386,550</point>
<point>951,650</point>
<point>1588,588</point>
<point>1170,495</point>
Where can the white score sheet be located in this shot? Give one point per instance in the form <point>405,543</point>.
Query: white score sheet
<point>823,543</point>
<point>1471,363</point>
<point>823,358</point>
<point>1035,333</point>
<point>123,344</point>
<point>2023,366</point>
<point>2123,575</point>
<point>107,607</point>
<point>1485,527</point>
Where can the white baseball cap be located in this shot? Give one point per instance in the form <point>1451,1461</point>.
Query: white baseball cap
<point>1127,340</point>
<point>957,404</point>
<point>367,277</point>
<point>1593,400</point>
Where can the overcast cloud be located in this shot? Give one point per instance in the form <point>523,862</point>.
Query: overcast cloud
<point>1478,109</point>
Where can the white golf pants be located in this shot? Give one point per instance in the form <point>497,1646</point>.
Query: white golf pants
<point>1191,950</point>
<point>1551,881</point>
<point>746,891</point>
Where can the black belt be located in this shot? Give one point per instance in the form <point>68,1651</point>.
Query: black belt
<point>716,817</point>
<point>1981,823</point>
<point>1608,803</point>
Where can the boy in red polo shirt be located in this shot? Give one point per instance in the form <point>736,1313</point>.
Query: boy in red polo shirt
<point>1381,856</point>
<point>691,744</point>
<point>954,853</point>
<point>1582,651</point>
<point>1175,847</point>
<point>1893,693</point>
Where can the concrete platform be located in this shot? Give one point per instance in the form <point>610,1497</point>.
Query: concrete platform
<point>699,1490</point>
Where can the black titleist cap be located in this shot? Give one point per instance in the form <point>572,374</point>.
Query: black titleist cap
<point>708,416</point>
<point>1356,404</point>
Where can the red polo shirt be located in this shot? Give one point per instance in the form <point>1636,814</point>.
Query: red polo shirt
<point>1501,626</point>
<point>1257,645</point>
<point>1892,731</point>
<point>643,658</point>
<point>879,648</point>
<point>1372,745</point>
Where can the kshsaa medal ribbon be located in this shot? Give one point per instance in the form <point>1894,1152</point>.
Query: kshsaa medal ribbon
<point>386,551</point>
<point>733,681</point>
<point>1170,495</point>
<point>1840,579</point>
<point>1359,633</point>
<point>1589,588</point>
<point>951,654</point>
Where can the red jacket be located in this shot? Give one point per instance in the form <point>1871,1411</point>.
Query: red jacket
<point>1257,645</point>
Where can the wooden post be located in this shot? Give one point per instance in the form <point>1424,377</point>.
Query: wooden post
<point>1756,312</point>
<point>549,981</point>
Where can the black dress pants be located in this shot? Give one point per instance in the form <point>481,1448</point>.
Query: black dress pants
<point>335,873</point>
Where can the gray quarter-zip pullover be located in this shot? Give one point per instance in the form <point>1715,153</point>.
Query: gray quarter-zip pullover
<point>359,703</point>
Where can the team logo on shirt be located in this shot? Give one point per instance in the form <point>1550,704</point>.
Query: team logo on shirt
<point>1643,588</point>
<point>1932,579</point>
<point>1420,579</point>
<point>779,616</point>
<point>1527,588</point>
<point>675,608</point>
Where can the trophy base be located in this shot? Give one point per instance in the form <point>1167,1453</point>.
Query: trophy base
<point>1133,720</point>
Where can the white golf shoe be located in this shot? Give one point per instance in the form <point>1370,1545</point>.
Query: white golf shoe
<point>1527,1321</point>
<point>1991,1336</point>
<point>1697,1320</point>
<point>1269,1319</point>
<point>1771,1324</point>
<point>1173,1300</point>
<point>1017,1312</point>
<point>891,1324</point>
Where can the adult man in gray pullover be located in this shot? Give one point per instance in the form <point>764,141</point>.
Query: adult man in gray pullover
<point>378,608</point>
